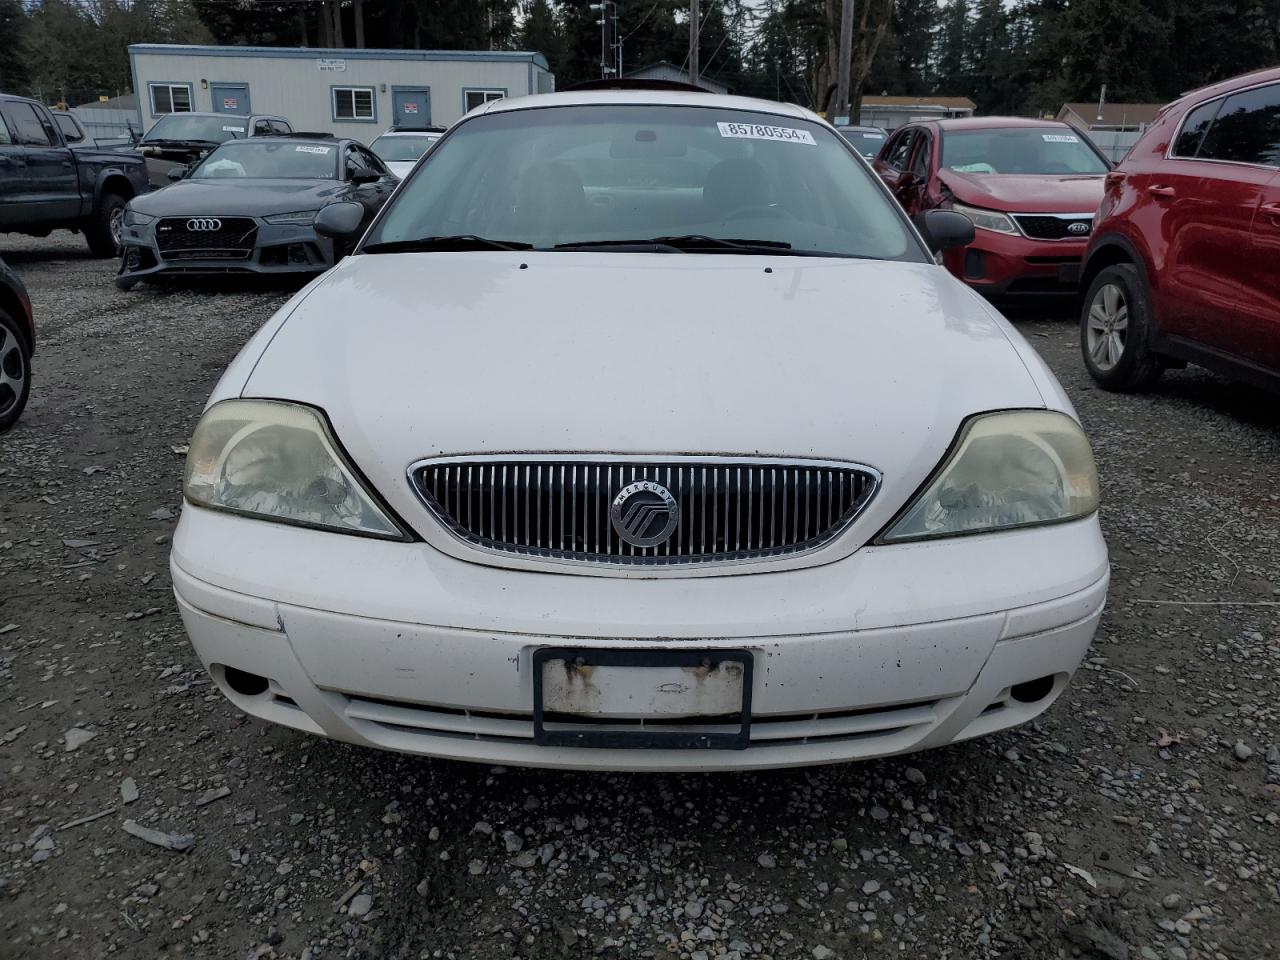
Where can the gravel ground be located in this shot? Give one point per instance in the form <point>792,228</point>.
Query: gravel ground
<point>1138,819</point>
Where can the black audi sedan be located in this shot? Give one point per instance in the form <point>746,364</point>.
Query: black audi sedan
<point>248,208</point>
<point>17,343</point>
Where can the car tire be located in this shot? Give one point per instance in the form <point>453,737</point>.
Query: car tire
<point>1115,328</point>
<point>15,371</point>
<point>104,227</point>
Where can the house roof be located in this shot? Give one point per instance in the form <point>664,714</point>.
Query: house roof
<point>339,53</point>
<point>951,103</point>
<point>665,69</point>
<point>1113,114</point>
<point>127,102</point>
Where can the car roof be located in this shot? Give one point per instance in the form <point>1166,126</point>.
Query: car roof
<point>432,132</point>
<point>995,123</point>
<point>293,138</point>
<point>207,113</point>
<point>1244,81</point>
<point>672,98</point>
<point>859,128</point>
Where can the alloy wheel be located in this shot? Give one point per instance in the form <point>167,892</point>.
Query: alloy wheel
<point>1107,327</point>
<point>13,371</point>
<point>116,227</point>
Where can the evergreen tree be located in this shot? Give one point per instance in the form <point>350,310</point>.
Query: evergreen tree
<point>14,75</point>
<point>540,31</point>
<point>910,48</point>
<point>954,50</point>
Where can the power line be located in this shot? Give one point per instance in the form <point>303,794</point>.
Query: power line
<point>656,4</point>
<point>702,22</point>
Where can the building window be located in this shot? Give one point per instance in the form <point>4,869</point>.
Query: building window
<point>170,98</point>
<point>353,103</point>
<point>475,98</point>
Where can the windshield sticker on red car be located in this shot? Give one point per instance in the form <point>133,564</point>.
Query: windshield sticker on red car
<point>233,129</point>
<point>320,150</point>
<point>1059,138</point>
<point>760,131</point>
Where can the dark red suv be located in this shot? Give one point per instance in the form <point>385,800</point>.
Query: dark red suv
<point>1184,264</point>
<point>1029,186</point>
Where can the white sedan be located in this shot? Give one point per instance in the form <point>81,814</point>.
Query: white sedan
<point>642,431</point>
<point>401,149</point>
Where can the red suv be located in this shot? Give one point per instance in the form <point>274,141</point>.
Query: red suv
<point>1184,264</point>
<point>1029,186</point>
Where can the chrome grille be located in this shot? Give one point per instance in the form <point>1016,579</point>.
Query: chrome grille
<point>730,509</point>
<point>234,240</point>
<point>1048,226</point>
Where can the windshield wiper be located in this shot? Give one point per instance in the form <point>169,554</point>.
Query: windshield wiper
<point>688,243</point>
<point>457,243</point>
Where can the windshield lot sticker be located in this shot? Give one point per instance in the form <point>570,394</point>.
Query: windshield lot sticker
<point>319,150</point>
<point>233,129</point>
<point>760,131</point>
<point>1059,138</point>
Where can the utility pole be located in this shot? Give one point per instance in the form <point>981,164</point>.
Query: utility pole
<point>695,25</point>
<point>846,55</point>
<point>610,42</point>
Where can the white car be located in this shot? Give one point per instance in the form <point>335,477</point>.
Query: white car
<point>642,431</point>
<point>400,149</point>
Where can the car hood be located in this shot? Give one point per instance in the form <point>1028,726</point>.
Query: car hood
<point>1022,193</point>
<point>417,355</point>
<point>236,197</point>
<point>400,168</point>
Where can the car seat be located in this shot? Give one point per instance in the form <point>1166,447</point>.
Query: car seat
<point>734,184</point>
<point>550,203</point>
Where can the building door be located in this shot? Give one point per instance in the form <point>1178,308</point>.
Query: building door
<point>411,106</point>
<point>230,97</point>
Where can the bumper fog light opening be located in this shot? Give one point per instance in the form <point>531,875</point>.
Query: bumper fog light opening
<point>245,683</point>
<point>1032,691</point>
<point>975,267</point>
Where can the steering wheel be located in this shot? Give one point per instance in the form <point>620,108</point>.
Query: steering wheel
<point>775,211</point>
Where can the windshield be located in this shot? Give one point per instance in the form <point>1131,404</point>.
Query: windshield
<point>866,142</point>
<point>1034,150</point>
<point>279,159</point>
<point>617,172</point>
<point>402,148</point>
<point>177,126</point>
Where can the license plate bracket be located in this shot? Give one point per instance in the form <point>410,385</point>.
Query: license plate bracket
<point>647,737</point>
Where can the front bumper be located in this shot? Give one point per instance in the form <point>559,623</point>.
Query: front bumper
<point>1002,267</point>
<point>279,250</point>
<point>398,646</point>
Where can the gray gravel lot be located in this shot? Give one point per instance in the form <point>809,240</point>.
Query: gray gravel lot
<point>1139,819</point>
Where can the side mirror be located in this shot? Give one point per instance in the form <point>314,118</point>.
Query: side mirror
<point>365,175</point>
<point>944,229</point>
<point>176,173</point>
<point>339,221</point>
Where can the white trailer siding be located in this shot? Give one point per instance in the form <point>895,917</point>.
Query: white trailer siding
<point>299,84</point>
